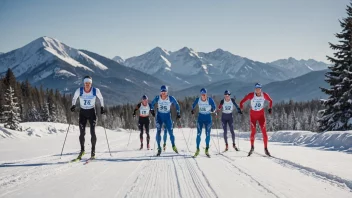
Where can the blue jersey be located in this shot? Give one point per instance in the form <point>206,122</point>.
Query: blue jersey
<point>205,108</point>
<point>164,106</point>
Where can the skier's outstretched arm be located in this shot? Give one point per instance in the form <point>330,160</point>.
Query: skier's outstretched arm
<point>101,99</point>
<point>75,97</point>
<point>137,107</point>
<point>212,104</point>
<point>247,97</point>
<point>267,97</point>
<point>195,103</point>
<point>154,102</point>
<point>220,105</point>
<point>174,101</point>
<point>234,103</point>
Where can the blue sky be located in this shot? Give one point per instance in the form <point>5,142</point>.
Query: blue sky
<point>263,30</point>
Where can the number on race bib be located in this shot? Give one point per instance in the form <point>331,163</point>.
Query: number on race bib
<point>163,108</point>
<point>258,105</point>
<point>86,102</point>
<point>202,109</point>
<point>144,112</point>
<point>227,108</point>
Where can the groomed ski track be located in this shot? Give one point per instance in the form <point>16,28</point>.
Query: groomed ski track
<point>293,171</point>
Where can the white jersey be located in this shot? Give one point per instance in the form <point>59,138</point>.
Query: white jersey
<point>144,110</point>
<point>257,102</point>
<point>164,106</point>
<point>204,107</point>
<point>87,100</point>
<point>227,107</point>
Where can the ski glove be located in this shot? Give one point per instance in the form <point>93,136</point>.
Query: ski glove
<point>240,112</point>
<point>102,111</point>
<point>152,112</point>
<point>178,116</point>
<point>192,112</point>
<point>73,108</point>
<point>270,110</point>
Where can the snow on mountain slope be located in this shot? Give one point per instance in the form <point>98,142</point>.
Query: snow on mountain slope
<point>151,62</point>
<point>45,50</point>
<point>119,60</point>
<point>48,62</point>
<point>203,67</point>
<point>299,67</point>
<point>34,169</point>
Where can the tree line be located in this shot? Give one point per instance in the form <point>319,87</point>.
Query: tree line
<point>20,102</point>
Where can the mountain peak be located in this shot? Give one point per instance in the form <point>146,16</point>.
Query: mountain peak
<point>159,50</point>
<point>118,59</point>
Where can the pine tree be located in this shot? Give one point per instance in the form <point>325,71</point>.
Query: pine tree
<point>33,114</point>
<point>338,110</point>
<point>45,112</point>
<point>11,112</point>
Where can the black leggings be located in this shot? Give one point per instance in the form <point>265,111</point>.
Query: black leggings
<point>143,122</point>
<point>84,116</point>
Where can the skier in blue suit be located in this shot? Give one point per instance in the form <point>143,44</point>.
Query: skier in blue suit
<point>206,106</point>
<point>163,116</point>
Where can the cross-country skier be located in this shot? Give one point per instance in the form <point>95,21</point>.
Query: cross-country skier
<point>227,106</point>
<point>163,116</point>
<point>143,120</point>
<point>87,96</point>
<point>257,99</point>
<point>206,106</point>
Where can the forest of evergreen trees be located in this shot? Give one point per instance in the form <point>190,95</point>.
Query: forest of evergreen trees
<point>20,102</point>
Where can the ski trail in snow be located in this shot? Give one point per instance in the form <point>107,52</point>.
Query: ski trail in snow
<point>311,171</point>
<point>43,166</point>
<point>229,160</point>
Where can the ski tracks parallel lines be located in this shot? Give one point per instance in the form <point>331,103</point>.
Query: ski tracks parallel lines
<point>311,171</point>
<point>230,162</point>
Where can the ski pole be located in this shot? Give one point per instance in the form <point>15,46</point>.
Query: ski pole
<point>129,137</point>
<point>65,139</point>
<point>106,138</point>
<point>217,131</point>
<point>184,137</point>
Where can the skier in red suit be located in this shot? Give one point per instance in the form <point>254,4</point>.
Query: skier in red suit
<point>257,113</point>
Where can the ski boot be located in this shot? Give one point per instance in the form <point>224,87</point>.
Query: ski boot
<point>159,152</point>
<point>79,157</point>
<point>226,147</point>
<point>207,151</point>
<point>141,146</point>
<point>92,155</point>
<point>267,152</point>
<point>235,147</point>
<point>175,149</point>
<point>251,151</point>
<point>197,153</point>
<point>164,146</point>
<point>148,146</point>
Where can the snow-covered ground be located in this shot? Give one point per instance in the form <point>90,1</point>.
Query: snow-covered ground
<point>30,166</point>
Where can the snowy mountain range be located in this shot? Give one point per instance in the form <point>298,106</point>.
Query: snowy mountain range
<point>53,64</point>
<point>187,68</point>
<point>302,88</point>
<point>299,67</point>
<point>49,62</point>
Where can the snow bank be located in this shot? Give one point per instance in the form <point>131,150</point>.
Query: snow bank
<point>334,140</point>
<point>41,129</point>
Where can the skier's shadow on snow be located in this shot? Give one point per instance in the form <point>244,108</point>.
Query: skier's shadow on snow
<point>9,165</point>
